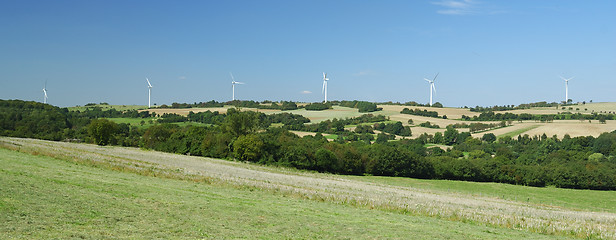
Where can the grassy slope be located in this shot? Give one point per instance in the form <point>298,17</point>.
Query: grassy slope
<point>42,197</point>
<point>597,201</point>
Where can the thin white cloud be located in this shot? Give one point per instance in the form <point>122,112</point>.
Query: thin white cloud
<point>454,4</point>
<point>362,73</point>
<point>454,12</point>
<point>182,77</point>
<point>453,7</point>
<point>305,92</point>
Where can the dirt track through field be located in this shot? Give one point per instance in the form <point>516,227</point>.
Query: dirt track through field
<point>326,187</point>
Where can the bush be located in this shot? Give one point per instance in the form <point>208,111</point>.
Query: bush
<point>489,137</point>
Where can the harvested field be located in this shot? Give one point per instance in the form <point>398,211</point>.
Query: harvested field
<point>588,108</point>
<point>185,111</point>
<point>302,134</point>
<point>452,113</point>
<point>337,112</point>
<point>417,131</point>
<point>404,118</point>
<point>574,128</point>
<point>492,211</point>
<point>534,111</point>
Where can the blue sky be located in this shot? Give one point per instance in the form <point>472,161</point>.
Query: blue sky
<point>487,52</point>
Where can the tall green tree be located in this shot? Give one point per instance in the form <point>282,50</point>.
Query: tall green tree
<point>248,148</point>
<point>102,131</point>
<point>450,135</point>
<point>239,123</point>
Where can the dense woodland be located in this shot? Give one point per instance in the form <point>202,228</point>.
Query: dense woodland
<point>580,162</point>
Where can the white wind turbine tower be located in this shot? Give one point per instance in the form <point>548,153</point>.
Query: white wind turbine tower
<point>149,91</point>
<point>432,88</point>
<point>566,88</point>
<point>324,90</point>
<point>233,82</point>
<point>45,92</point>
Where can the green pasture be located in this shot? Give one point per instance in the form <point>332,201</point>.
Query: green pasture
<point>600,201</point>
<point>519,131</point>
<point>331,136</point>
<point>47,198</point>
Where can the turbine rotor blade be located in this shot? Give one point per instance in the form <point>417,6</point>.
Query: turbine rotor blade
<point>435,77</point>
<point>430,81</point>
<point>433,88</point>
<point>232,78</point>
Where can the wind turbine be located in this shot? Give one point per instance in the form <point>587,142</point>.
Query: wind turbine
<point>432,88</point>
<point>566,88</point>
<point>324,90</point>
<point>233,82</point>
<point>45,92</point>
<point>149,91</point>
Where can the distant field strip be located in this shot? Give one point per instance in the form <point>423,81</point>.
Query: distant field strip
<point>324,187</point>
<point>519,131</point>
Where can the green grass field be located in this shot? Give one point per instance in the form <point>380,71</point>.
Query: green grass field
<point>45,198</point>
<point>519,131</point>
<point>473,208</point>
<point>589,200</point>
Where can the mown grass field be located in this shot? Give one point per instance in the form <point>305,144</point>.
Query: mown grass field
<point>44,198</point>
<point>337,206</point>
<point>587,200</point>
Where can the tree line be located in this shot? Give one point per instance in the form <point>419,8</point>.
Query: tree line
<point>424,113</point>
<point>362,106</point>
<point>491,116</point>
<point>512,107</point>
